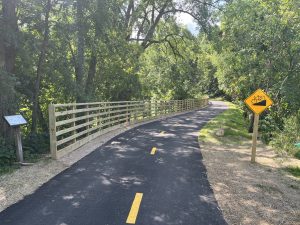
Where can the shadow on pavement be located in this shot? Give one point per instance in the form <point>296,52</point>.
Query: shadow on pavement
<point>99,188</point>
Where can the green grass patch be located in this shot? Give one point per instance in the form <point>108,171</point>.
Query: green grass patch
<point>28,158</point>
<point>8,169</point>
<point>268,188</point>
<point>33,157</point>
<point>295,171</point>
<point>231,121</point>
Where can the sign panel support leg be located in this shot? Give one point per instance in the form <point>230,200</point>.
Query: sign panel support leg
<point>19,145</point>
<point>254,137</point>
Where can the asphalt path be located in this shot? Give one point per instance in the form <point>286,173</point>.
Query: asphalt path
<point>100,188</point>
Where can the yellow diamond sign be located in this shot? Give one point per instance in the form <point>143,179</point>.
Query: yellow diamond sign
<point>259,101</point>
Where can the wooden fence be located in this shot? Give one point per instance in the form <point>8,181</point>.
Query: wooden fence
<point>73,125</point>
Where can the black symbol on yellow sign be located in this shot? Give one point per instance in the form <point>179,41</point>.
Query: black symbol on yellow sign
<point>259,100</point>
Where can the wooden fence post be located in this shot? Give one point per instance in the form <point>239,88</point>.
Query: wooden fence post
<point>173,106</point>
<point>52,131</point>
<point>127,114</point>
<point>149,110</point>
<point>99,117</point>
<point>73,124</point>
<point>143,112</point>
<point>88,120</point>
<point>254,137</point>
<point>136,109</point>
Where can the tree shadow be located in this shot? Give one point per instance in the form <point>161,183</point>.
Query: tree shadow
<point>99,188</point>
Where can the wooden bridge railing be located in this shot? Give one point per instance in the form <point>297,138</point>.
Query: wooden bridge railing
<point>73,125</point>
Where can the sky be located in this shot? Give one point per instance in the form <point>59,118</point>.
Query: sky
<point>184,19</point>
<point>187,21</point>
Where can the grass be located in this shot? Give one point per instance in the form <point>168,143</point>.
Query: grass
<point>295,171</point>
<point>33,157</point>
<point>269,189</point>
<point>233,123</point>
<point>28,157</point>
<point>8,169</point>
<point>235,132</point>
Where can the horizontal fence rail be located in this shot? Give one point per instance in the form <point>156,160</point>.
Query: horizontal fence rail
<point>73,125</point>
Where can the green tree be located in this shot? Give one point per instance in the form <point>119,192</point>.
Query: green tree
<point>260,49</point>
<point>8,50</point>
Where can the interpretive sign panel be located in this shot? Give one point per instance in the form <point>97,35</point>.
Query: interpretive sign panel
<point>15,120</point>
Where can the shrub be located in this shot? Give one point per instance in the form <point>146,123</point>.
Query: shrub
<point>7,154</point>
<point>295,171</point>
<point>284,141</point>
<point>297,154</point>
<point>268,127</point>
<point>36,143</point>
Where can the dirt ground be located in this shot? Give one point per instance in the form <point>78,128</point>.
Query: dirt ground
<point>260,193</point>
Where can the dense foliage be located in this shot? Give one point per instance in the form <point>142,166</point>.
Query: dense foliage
<point>285,141</point>
<point>100,50</point>
<point>260,48</point>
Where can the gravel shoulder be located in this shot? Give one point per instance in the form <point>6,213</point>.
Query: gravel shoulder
<point>260,193</point>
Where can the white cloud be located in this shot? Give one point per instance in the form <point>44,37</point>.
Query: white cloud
<point>188,21</point>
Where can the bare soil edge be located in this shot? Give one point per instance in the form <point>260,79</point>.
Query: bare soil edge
<point>256,194</point>
<point>26,180</point>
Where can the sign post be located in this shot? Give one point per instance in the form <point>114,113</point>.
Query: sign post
<point>254,137</point>
<point>20,157</point>
<point>258,102</point>
<point>15,122</point>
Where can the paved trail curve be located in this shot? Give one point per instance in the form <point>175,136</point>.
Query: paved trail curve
<point>101,188</point>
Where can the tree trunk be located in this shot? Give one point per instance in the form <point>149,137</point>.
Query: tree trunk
<point>150,33</point>
<point>39,71</point>
<point>2,49</point>
<point>10,36</point>
<point>129,11</point>
<point>99,28</point>
<point>43,122</point>
<point>89,88</point>
<point>8,49</point>
<point>80,51</point>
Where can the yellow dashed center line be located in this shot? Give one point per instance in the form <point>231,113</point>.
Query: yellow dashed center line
<point>134,208</point>
<point>153,150</point>
<point>162,133</point>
